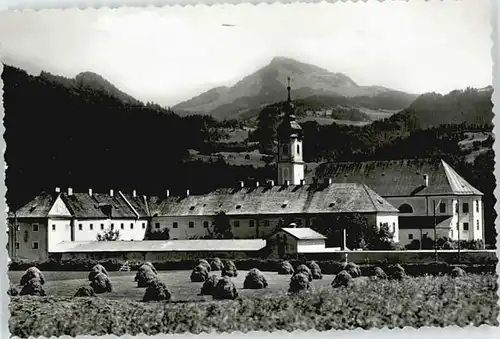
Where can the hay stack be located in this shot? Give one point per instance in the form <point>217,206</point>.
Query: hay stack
<point>101,283</point>
<point>342,279</point>
<point>32,273</point>
<point>144,276</point>
<point>209,285</point>
<point>204,263</point>
<point>300,282</point>
<point>315,270</point>
<point>199,274</point>
<point>398,272</point>
<point>305,270</point>
<point>150,265</point>
<point>33,287</point>
<point>216,264</point>
<point>157,291</point>
<point>95,270</point>
<point>379,273</point>
<point>13,290</point>
<point>225,289</point>
<point>353,270</point>
<point>229,269</point>
<point>285,268</point>
<point>85,291</point>
<point>255,280</point>
<point>457,272</point>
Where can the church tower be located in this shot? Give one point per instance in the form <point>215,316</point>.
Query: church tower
<point>290,163</point>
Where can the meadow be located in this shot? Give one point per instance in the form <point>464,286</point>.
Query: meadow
<point>414,301</point>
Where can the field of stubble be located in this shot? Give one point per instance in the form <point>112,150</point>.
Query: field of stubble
<point>415,301</point>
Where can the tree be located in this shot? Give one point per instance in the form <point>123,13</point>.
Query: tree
<point>108,235</point>
<point>163,234</point>
<point>222,226</point>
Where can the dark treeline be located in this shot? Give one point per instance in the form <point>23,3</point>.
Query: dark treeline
<point>61,136</point>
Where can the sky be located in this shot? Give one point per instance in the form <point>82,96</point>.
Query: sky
<point>170,54</point>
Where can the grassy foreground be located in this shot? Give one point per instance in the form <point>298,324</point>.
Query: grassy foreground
<point>420,301</point>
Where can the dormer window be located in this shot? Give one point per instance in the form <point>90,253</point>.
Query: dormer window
<point>238,207</point>
<point>331,204</point>
<point>191,208</point>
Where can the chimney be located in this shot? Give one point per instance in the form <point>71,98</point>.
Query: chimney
<point>426,180</point>
<point>58,189</point>
<point>134,193</point>
<point>167,193</point>
<point>287,183</point>
<point>302,182</point>
<point>111,192</point>
<point>241,184</point>
<point>187,193</point>
<point>328,181</point>
<point>270,183</point>
<point>70,191</point>
<point>257,184</point>
<point>90,191</point>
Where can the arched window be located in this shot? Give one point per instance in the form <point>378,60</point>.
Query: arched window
<point>285,174</point>
<point>285,149</point>
<point>405,208</point>
<point>298,149</point>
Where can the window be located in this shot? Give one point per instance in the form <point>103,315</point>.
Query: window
<point>477,225</point>
<point>477,206</point>
<point>157,225</point>
<point>53,227</point>
<point>410,236</point>
<point>266,223</point>
<point>285,149</point>
<point>143,225</point>
<point>91,227</point>
<point>34,227</point>
<point>405,208</point>
<point>442,207</point>
<point>17,245</point>
<point>112,226</point>
<point>251,223</point>
<point>122,226</point>
<point>236,223</point>
<point>298,149</point>
<point>131,225</point>
<point>466,226</point>
<point>191,224</point>
<point>465,207</point>
<point>80,227</point>
<point>205,224</point>
<point>34,245</point>
<point>102,226</point>
<point>175,225</point>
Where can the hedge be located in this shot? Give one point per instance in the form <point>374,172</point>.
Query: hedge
<point>327,266</point>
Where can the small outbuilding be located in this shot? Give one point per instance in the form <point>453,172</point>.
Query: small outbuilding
<point>297,240</point>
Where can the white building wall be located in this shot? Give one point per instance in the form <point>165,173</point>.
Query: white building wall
<point>130,229</point>
<point>310,245</point>
<point>58,230</point>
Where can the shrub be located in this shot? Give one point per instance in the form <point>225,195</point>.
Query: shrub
<point>225,289</point>
<point>199,274</point>
<point>299,282</point>
<point>13,290</point>
<point>379,273</point>
<point>255,280</point>
<point>209,284</point>
<point>145,276</point>
<point>229,269</point>
<point>101,283</point>
<point>457,272</point>
<point>353,269</point>
<point>85,291</point>
<point>96,270</point>
<point>305,270</point>
<point>285,268</point>
<point>216,264</point>
<point>33,287</point>
<point>204,263</point>
<point>342,279</point>
<point>32,273</point>
<point>157,291</point>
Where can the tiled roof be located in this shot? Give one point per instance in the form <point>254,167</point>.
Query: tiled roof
<point>417,222</point>
<point>292,199</point>
<point>303,233</point>
<point>83,205</point>
<point>39,207</point>
<point>210,245</point>
<point>138,203</point>
<point>397,177</point>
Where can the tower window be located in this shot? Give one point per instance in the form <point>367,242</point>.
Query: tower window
<point>466,226</point>
<point>285,149</point>
<point>465,207</point>
<point>442,207</point>
<point>298,149</point>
